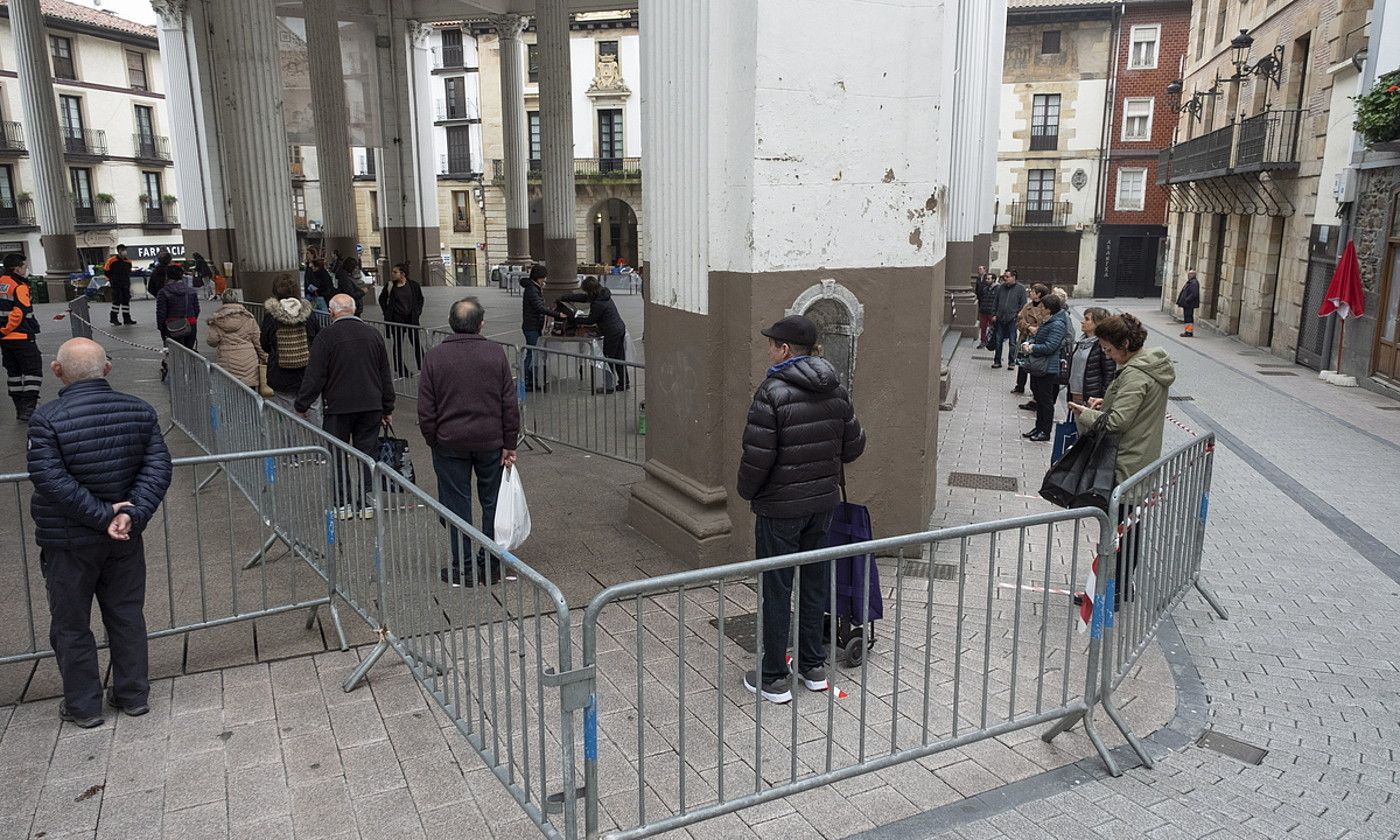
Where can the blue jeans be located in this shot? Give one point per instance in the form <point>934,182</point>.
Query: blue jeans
<point>454,474</point>
<point>532,338</point>
<point>773,537</point>
<point>1005,331</point>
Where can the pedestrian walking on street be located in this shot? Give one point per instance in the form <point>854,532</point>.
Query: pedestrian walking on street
<point>320,284</point>
<point>234,332</point>
<point>1091,370</point>
<point>118,272</point>
<point>177,310</point>
<point>286,334</point>
<point>1135,409</point>
<point>533,311</point>
<point>1027,322</point>
<point>469,418</point>
<point>401,301</point>
<point>1188,299</point>
<point>347,282</point>
<point>801,430</point>
<point>90,507</point>
<point>1010,297</point>
<point>985,287</point>
<point>602,312</point>
<point>19,337</point>
<point>1044,351</point>
<point>161,273</point>
<point>204,273</point>
<point>349,371</point>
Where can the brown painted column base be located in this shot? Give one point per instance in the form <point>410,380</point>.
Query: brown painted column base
<point>561,255</point>
<point>61,253</point>
<point>216,244</point>
<point>518,246</point>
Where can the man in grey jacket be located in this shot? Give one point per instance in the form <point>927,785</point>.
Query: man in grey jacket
<point>1010,296</point>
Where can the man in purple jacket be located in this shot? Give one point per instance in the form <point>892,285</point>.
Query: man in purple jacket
<point>470,419</point>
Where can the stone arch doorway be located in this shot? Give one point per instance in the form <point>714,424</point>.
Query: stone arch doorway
<point>612,232</point>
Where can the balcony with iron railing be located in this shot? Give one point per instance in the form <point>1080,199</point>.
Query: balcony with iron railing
<point>17,215</point>
<point>162,217</point>
<point>85,142</point>
<point>11,138</point>
<point>1039,213</point>
<point>149,147</point>
<point>586,169</point>
<point>1267,141</point>
<point>90,216</point>
<point>449,110</point>
<point>449,58</point>
<point>456,167</point>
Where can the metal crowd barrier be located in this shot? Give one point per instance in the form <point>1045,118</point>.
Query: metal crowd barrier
<point>490,654</point>
<point>196,578</point>
<point>584,401</point>
<point>983,654</point>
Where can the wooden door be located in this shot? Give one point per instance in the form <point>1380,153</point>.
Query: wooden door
<point>1387,352</point>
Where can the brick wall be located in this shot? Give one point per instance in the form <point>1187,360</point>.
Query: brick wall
<point>1175,22</point>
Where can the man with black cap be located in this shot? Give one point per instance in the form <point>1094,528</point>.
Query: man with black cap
<point>801,429</point>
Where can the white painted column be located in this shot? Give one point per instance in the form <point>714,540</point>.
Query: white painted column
<point>980,31</point>
<point>57,225</point>
<point>557,143</point>
<point>250,97</point>
<point>515,131</point>
<point>334,167</point>
<point>407,170</point>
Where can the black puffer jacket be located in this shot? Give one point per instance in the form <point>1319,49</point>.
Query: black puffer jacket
<point>89,448</point>
<point>1099,371</point>
<point>601,311</point>
<point>986,292</point>
<point>533,309</point>
<point>801,429</point>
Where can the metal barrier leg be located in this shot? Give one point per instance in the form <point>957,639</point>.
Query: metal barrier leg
<point>1127,732</point>
<point>527,438</point>
<point>358,675</point>
<point>1207,594</point>
<point>339,628</point>
<point>1099,746</point>
<point>1062,725</point>
<point>261,552</point>
<point>205,483</point>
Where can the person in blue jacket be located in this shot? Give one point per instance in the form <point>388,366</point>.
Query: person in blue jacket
<point>100,470</point>
<point>1044,349</point>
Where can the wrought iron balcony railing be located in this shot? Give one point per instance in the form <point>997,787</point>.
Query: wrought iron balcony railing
<point>1267,141</point>
<point>589,169</point>
<point>151,147</point>
<point>1039,213</point>
<point>1045,138</point>
<point>87,215</point>
<point>18,215</point>
<point>87,142</point>
<point>11,137</point>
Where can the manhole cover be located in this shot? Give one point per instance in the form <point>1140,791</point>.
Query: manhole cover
<point>1233,747</point>
<point>1182,398</point>
<point>931,571</point>
<point>741,629</point>
<point>1277,373</point>
<point>982,481</point>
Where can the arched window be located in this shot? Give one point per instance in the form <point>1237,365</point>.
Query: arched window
<point>840,319</point>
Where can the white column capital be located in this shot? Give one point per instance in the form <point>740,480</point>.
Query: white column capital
<point>172,12</point>
<point>418,33</point>
<point>508,26</point>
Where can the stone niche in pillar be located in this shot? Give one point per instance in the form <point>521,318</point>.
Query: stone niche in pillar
<point>840,319</point>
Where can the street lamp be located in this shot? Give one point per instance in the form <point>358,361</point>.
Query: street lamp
<point>1197,103</point>
<point>1269,68</point>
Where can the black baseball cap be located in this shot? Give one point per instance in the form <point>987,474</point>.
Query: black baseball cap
<point>794,329</point>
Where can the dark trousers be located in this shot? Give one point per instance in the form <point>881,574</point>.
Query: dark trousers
<point>454,478</point>
<point>1188,315</point>
<point>1004,332</point>
<point>402,335</point>
<point>532,338</point>
<point>360,430</point>
<point>189,339</point>
<point>114,572</point>
<point>986,323</point>
<point>1046,389</point>
<point>1022,376</point>
<point>24,371</point>
<point>615,347</point>
<point>773,537</point>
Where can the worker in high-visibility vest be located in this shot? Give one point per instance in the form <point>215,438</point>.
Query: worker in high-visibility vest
<point>118,271</point>
<point>19,336</point>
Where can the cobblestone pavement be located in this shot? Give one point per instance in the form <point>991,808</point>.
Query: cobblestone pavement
<point>1305,669</point>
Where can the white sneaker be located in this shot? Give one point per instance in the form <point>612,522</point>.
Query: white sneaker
<point>778,691</point>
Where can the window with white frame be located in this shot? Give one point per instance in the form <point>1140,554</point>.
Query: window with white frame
<point>1132,189</point>
<point>1137,118</point>
<point>1142,54</point>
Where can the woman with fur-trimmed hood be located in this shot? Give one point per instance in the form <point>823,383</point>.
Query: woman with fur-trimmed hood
<point>288,329</point>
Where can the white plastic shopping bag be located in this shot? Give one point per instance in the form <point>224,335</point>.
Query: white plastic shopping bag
<point>512,514</point>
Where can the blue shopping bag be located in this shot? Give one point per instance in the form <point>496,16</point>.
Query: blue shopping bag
<point>1066,433</point>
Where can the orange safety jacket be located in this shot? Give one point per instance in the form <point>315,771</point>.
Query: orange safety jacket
<point>17,321</point>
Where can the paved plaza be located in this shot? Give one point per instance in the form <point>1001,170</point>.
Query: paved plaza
<point>249,738</point>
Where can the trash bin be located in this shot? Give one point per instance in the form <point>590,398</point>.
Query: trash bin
<point>39,290</point>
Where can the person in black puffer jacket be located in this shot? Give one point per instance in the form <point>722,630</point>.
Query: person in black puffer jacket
<point>801,429</point>
<point>985,287</point>
<point>602,311</point>
<point>100,470</point>
<point>533,311</point>
<point>347,282</point>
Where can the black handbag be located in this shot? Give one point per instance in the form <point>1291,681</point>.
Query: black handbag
<point>1083,477</point>
<point>393,451</point>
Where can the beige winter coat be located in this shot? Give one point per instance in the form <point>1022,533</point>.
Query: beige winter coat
<point>234,331</point>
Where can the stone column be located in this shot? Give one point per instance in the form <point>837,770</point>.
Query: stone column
<point>557,144</point>
<point>334,166</point>
<point>826,195</point>
<point>54,208</point>
<point>515,149</point>
<point>185,55</point>
<point>407,170</point>
<point>244,36</point>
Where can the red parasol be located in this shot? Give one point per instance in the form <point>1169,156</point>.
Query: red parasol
<point>1344,295</point>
